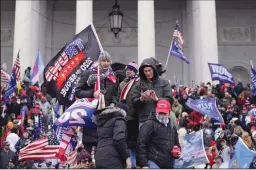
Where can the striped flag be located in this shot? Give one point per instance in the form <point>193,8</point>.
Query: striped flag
<point>72,161</point>
<point>17,67</point>
<point>66,138</point>
<point>41,149</point>
<point>4,77</point>
<point>101,103</point>
<point>37,69</point>
<point>176,48</point>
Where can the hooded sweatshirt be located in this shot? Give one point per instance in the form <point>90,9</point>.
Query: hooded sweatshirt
<point>161,87</point>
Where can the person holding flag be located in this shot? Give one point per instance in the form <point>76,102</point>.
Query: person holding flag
<point>85,89</point>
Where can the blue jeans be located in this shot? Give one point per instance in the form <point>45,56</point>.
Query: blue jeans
<point>133,157</point>
<point>152,165</point>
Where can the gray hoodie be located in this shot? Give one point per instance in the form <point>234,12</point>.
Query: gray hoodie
<point>161,87</point>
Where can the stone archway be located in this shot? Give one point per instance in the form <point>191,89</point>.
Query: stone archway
<point>240,73</point>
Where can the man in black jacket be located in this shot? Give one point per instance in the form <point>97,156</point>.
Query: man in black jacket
<point>157,140</point>
<point>149,89</point>
<point>85,89</point>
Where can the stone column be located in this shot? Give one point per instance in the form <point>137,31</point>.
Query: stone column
<point>29,31</point>
<point>203,45</point>
<point>146,30</point>
<point>84,14</point>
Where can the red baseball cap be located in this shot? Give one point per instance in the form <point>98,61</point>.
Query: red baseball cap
<point>163,106</point>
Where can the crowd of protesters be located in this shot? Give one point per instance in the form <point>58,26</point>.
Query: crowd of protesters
<point>142,126</point>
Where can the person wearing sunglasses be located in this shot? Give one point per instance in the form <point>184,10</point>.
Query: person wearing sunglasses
<point>84,160</point>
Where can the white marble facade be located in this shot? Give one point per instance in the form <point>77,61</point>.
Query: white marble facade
<point>55,24</point>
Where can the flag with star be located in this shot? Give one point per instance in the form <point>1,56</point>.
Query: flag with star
<point>64,70</point>
<point>41,149</point>
<point>176,48</point>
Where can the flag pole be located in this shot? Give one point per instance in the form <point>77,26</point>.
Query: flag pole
<point>97,38</point>
<point>169,54</point>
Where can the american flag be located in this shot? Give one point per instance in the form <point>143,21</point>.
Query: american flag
<point>72,161</point>
<point>74,48</point>
<point>4,77</point>
<point>177,44</point>
<point>66,138</point>
<point>17,66</point>
<point>41,149</point>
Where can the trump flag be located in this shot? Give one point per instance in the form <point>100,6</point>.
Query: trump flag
<point>79,114</point>
<point>221,73</point>
<point>205,106</point>
<point>63,72</point>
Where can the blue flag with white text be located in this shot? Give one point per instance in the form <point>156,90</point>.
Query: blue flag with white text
<point>205,106</point>
<point>11,88</point>
<point>253,79</point>
<point>177,45</point>
<point>221,73</point>
<point>79,114</point>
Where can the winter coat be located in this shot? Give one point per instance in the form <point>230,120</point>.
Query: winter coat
<point>161,87</point>
<point>155,143</point>
<point>6,157</point>
<point>112,151</point>
<point>84,90</point>
<point>132,116</point>
<point>22,143</point>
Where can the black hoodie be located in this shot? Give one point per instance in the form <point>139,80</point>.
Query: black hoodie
<point>112,150</point>
<point>161,87</point>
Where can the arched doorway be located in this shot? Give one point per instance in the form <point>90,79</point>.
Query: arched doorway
<point>240,73</point>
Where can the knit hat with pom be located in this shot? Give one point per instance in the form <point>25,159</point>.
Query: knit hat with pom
<point>132,66</point>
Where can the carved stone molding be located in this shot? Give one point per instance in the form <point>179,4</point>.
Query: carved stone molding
<point>6,35</point>
<point>127,37</point>
<point>236,35</point>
